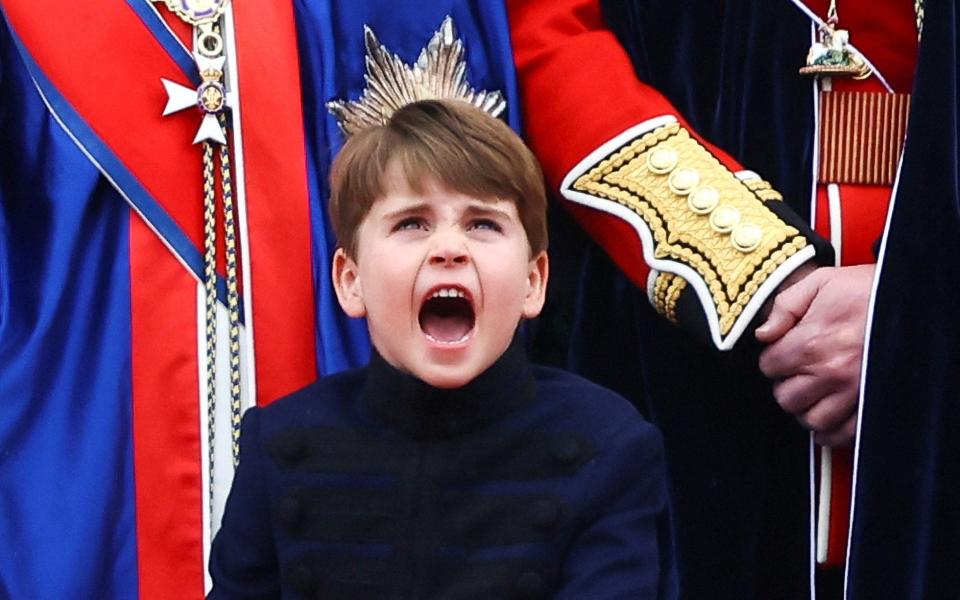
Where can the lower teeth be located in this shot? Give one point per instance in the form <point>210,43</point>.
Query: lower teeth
<point>433,339</point>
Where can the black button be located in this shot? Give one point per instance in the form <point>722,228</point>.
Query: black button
<point>566,449</point>
<point>545,513</point>
<point>288,510</point>
<point>529,584</point>
<point>302,578</point>
<point>292,450</point>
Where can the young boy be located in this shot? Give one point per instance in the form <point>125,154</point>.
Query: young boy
<point>449,467</point>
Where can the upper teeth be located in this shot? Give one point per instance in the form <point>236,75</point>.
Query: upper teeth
<point>448,293</point>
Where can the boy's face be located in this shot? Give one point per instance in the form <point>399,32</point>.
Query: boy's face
<point>443,280</point>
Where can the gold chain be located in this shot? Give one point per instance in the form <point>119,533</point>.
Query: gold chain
<point>210,302</point>
<point>233,296</point>
<point>918,10</point>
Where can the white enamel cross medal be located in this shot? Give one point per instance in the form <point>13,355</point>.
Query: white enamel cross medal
<point>211,96</point>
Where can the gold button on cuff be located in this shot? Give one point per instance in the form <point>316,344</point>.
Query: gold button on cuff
<point>682,181</point>
<point>703,200</point>
<point>724,219</point>
<point>662,160</point>
<point>746,237</point>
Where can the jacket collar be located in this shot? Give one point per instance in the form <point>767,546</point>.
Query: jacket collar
<point>422,411</point>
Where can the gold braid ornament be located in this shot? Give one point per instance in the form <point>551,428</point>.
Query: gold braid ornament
<point>666,293</point>
<point>233,298</point>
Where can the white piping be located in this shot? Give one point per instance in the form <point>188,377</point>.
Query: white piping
<point>823,507</point>
<point>651,281</point>
<point>815,162</point>
<point>826,454</point>
<point>204,407</point>
<point>249,380</point>
<point>836,220</point>
<point>811,558</point>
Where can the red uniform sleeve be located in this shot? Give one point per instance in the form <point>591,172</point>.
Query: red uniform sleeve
<point>579,113</point>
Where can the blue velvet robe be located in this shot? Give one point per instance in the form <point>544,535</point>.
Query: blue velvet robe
<point>905,539</point>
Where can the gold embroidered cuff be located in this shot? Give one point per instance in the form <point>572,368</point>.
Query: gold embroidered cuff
<point>703,222</point>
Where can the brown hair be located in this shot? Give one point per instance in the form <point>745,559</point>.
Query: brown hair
<point>449,141</point>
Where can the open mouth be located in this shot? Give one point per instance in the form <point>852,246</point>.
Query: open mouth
<point>447,316</point>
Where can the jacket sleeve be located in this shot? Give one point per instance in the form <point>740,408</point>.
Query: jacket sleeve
<point>625,548</point>
<point>707,239</point>
<point>243,558</point>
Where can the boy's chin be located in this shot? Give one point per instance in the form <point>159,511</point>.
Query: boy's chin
<point>449,376</point>
<point>446,381</point>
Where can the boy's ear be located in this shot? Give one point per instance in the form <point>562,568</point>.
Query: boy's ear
<point>537,275</point>
<point>346,281</point>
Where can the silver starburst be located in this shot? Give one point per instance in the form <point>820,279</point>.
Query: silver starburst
<point>440,72</point>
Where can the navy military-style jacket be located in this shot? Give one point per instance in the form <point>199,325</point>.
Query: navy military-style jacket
<point>528,482</point>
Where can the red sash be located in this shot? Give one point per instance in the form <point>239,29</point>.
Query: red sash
<point>98,65</point>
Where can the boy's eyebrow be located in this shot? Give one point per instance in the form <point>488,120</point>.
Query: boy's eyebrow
<point>486,210</point>
<point>412,209</point>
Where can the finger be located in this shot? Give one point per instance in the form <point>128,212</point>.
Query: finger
<point>792,394</point>
<point>800,273</point>
<point>798,393</point>
<point>790,354</point>
<point>839,437</point>
<point>789,307</point>
<point>830,413</point>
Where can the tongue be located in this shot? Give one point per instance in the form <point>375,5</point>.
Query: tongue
<point>446,328</point>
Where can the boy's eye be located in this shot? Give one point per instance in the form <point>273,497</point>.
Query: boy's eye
<point>410,223</point>
<point>485,225</point>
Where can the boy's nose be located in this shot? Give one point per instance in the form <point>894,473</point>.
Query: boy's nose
<point>449,250</point>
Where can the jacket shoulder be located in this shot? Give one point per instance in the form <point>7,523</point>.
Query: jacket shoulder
<point>572,401</point>
<point>316,403</point>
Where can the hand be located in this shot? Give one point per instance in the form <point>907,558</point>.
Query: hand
<point>816,330</point>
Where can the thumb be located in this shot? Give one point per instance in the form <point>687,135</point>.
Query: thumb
<point>789,307</point>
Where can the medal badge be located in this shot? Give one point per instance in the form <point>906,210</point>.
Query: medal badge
<point>211,95</point>
<point>832,55</point>
<point>196,12</point>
